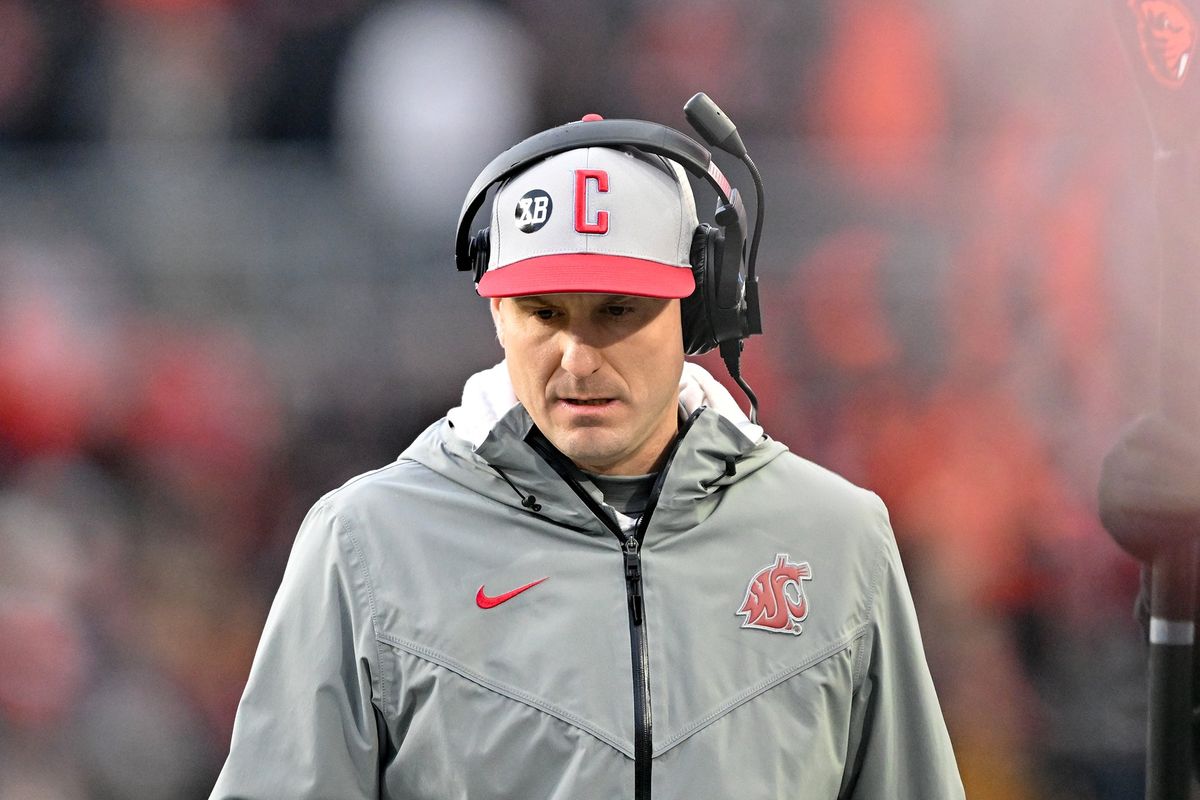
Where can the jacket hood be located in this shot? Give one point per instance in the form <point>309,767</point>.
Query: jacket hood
<point>481,445</point>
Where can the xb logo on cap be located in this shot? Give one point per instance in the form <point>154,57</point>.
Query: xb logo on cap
<point>533,210</point>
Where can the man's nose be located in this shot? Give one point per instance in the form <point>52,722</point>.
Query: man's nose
<point>579,357</point>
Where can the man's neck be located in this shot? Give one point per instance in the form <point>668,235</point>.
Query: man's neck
<point>628,494</point>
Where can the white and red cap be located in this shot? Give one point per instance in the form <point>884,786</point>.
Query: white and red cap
<point>594,219</point>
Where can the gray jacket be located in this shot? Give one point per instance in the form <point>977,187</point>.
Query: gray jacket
<point>760,642</point>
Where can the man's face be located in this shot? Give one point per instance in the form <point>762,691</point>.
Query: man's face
<point>599,374</point>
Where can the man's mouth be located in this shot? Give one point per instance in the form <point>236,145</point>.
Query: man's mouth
<point>576,401</point>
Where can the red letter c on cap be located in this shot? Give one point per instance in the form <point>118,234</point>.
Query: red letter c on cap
<point>582,176</point>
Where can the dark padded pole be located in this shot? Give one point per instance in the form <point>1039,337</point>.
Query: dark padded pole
<point>1170,89</point>
<point>1173,578</point>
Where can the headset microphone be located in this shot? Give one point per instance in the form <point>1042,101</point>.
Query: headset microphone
<point>712,125</point>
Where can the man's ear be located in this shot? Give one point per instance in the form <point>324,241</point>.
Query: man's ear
<point>497,320</point>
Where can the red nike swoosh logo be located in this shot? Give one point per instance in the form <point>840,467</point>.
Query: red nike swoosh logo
<point>483,601</point>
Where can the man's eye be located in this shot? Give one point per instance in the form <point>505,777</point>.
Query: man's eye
<point>618,311</point>
<point>544,313</point>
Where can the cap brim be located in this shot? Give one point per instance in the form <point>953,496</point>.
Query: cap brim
<point>588,272</point>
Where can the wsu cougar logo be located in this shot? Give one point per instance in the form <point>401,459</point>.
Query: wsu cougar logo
<point>775,598</point>
<point>1168,36</point>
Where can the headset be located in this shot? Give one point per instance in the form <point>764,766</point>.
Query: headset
<point>724,309</point>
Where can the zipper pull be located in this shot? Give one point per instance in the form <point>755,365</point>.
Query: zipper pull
<point>633,577</point>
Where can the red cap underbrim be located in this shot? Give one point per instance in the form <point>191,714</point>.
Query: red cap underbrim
<point>587,272</point>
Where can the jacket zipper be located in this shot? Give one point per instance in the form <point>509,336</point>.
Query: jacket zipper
<point>643,743</point>
<point>643,724</point>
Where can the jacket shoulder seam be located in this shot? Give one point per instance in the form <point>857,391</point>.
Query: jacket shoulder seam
<point>345,527</point>
<point>869,612</point>
<point>398,463</point>
<point>764,685</point>
<point>512,693</point>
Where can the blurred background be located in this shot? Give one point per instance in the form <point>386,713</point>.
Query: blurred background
<point>227,285</point>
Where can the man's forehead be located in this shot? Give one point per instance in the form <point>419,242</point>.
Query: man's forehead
<point>581,297</point>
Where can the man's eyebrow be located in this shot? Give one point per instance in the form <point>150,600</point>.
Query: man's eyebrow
<point>530,299</point>
<point>545,300</point>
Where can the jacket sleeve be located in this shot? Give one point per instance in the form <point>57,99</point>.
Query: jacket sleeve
<point>306,725</point>
<point>899,747</point>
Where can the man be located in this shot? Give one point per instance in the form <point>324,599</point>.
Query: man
<point>595,578</point>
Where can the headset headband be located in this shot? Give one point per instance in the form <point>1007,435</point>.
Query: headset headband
<point>649,137</point>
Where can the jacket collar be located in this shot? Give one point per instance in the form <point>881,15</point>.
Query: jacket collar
<point>488,397</point>
<point>482,444</point>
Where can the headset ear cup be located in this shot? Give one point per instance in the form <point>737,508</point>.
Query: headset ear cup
<point>480,251</point>
<point>698,334</point>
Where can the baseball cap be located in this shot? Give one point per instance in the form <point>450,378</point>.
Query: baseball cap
<point>594,219</point>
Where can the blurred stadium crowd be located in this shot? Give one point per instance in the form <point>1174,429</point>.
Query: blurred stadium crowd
<point>226,287</point>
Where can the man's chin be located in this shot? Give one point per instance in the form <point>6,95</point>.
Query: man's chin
<point>589,447</point>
